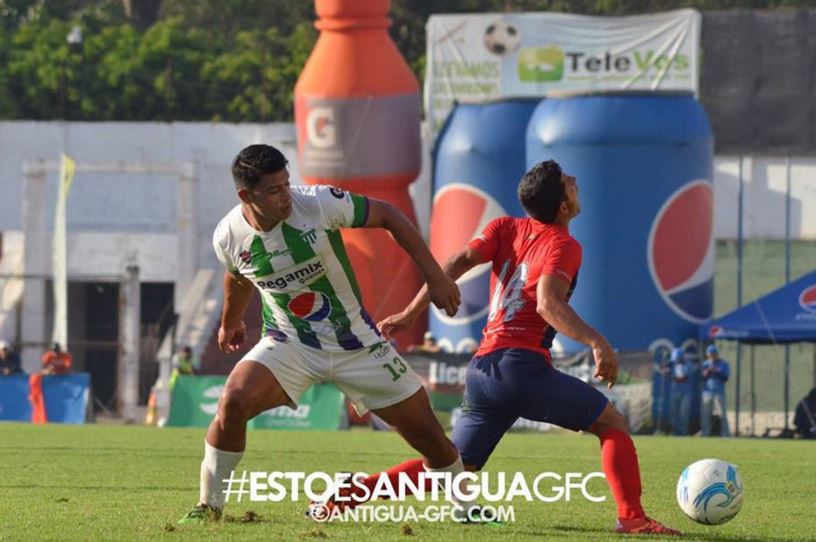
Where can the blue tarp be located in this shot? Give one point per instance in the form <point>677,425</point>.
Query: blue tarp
<point>785,315</point>
<point>66,398</point>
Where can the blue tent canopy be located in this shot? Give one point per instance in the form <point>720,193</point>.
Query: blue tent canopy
<point>786,315</point>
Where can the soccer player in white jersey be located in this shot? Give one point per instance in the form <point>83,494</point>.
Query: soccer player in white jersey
<point>284,241</point>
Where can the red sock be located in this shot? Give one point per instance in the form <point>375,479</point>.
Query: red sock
<point>620,464</point>
<point>412,468</point>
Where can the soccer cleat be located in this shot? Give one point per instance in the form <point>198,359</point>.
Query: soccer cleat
<point>475,517</point>
<point>644,525</point>
<point>201,513</point>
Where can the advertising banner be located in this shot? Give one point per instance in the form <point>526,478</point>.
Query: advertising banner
<point>66,397</point>
<point>484,57</point>
<point>195,402</point>
<point>322,407</point>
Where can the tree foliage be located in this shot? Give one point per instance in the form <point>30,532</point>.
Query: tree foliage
<point>227,60</point>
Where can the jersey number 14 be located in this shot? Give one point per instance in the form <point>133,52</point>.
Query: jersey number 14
<point>508,300</point>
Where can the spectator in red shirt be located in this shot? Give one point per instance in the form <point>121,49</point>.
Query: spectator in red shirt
<point>56,361</point>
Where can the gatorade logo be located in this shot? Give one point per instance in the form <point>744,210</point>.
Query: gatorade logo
<point>807,299</point>
<point>540,64</point>
<point>311,306</point>
<point>320,128</point>
<point>460,213</point>
<point>681,251</point>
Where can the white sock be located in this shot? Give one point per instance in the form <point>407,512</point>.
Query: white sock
<point>216,466</point>
<point>455,468</point>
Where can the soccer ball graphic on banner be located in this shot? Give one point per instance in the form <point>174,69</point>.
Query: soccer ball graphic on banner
<point>501,38</point>
<point>709,491</point>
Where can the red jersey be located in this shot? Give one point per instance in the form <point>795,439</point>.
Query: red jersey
<point>521,250</point>
<point>61,362</point>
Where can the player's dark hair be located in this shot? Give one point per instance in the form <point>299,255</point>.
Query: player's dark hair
<point>255,161</point>
<point>541,191</point>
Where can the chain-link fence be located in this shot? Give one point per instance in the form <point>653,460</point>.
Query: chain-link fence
<point>767,229</point>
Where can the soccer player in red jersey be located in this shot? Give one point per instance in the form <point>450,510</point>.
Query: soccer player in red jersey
<point>535,269</point>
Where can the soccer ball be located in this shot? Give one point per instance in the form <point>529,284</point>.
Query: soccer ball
<point>710,491</point>
<point>501,38</point>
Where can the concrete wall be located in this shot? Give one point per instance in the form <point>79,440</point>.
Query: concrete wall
<point>764,186</point>
<point>140,210</point>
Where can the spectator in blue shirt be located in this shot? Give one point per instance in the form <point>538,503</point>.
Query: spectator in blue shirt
<point>680,392</point>
<point>9,360</point>
<point>715,374</point>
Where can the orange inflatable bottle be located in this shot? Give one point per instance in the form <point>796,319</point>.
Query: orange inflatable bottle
<point>357,112</point>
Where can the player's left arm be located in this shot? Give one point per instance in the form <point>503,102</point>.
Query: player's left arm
<point>552,306</point>
<point>442,289</point>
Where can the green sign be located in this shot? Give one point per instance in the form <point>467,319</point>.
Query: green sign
<point>321,407</point>
<point>195,401</point>
<point>541,64</point>
<point>445,401</point>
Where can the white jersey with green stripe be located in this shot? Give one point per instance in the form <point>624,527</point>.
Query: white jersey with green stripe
<point>301,269</point>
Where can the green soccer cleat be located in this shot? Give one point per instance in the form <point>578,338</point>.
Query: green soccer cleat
<point>201,513</point>
<point>476,517</point>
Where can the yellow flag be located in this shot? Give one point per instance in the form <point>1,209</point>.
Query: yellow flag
<point>60,254</point>
<point>67,172</point>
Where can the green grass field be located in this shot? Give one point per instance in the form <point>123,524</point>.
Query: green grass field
<point>101,482</point>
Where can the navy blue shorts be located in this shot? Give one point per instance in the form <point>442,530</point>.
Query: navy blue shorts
<point>513,383</point>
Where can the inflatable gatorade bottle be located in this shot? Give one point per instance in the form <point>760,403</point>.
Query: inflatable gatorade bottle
<point>357,112</point>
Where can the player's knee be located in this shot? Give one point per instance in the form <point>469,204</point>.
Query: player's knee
<point>610,418</point>
<point>617,421</point>
<point>233,407</point>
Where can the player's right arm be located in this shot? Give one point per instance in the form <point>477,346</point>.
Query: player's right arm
<point>478,251</point>
<point>456,266</point>
<point>552,306</point>
<point>237,293</point>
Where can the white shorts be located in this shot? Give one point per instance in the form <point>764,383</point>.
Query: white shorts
<point>372,378</point>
